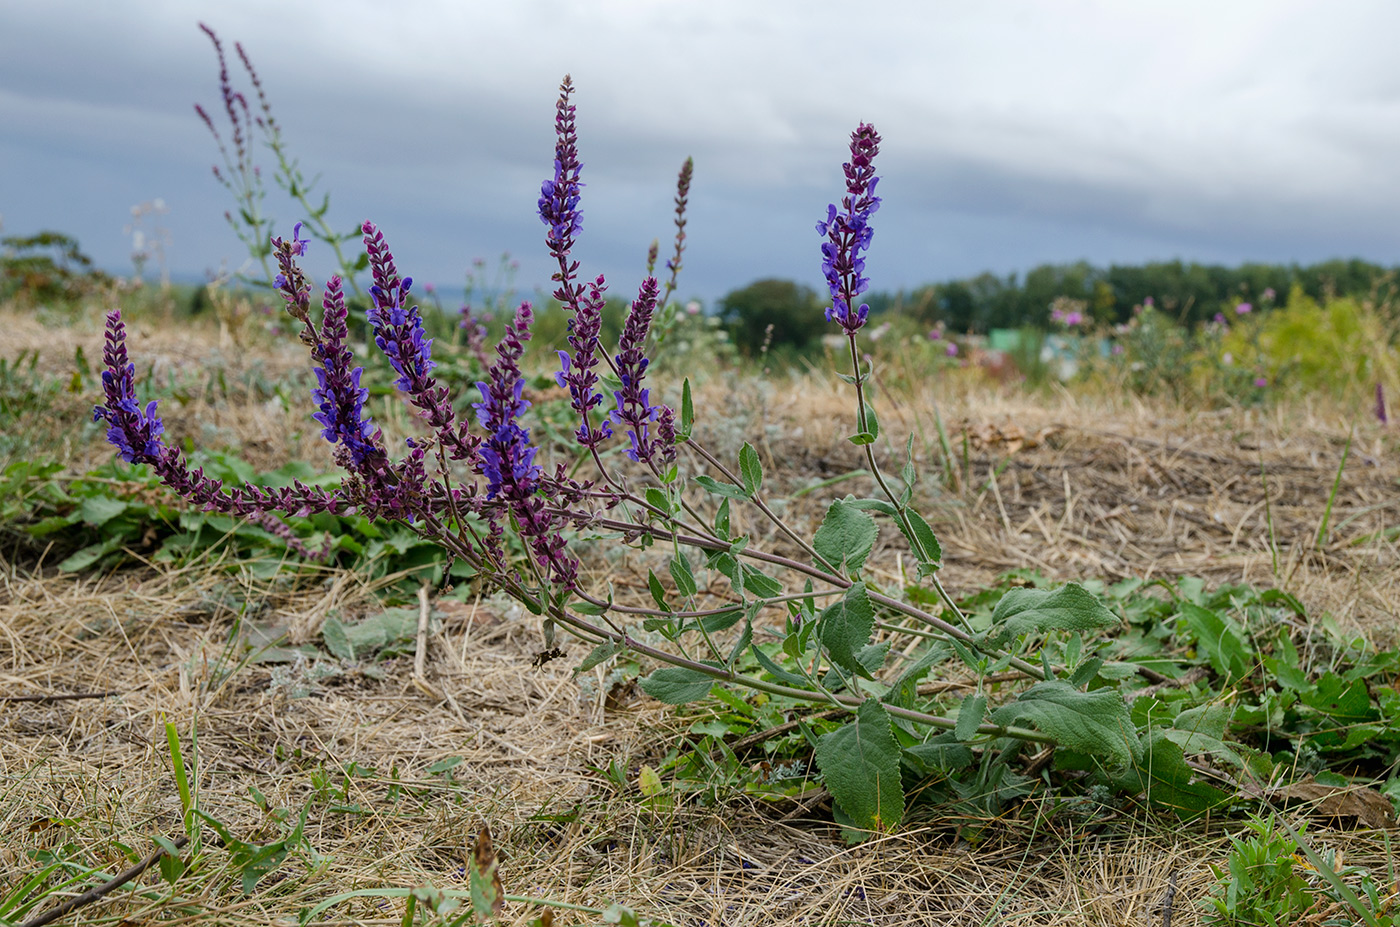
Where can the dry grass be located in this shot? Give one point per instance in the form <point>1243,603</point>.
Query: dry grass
<point>1104,488</point>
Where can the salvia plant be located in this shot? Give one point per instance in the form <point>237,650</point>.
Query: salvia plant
<point>479,486</point>
<point>242,177</point>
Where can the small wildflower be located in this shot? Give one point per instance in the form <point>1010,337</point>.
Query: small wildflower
<point>1148,302</point>
<point>577,374</point>
<point>952,349</point>
<point>1268,294</point>
<point>1243,309</point>
<point>1261,382</point>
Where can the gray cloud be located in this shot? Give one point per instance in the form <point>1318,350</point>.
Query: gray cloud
<point>1015,132</point>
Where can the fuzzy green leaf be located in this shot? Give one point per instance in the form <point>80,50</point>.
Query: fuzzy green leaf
<point>922,541</point>
<point>712,485</point>
<point>676,685</point>
<point>847,536</point>
<point>680,572</point>
<point>974,707</point>
<point>860,763</point>
<point>1097,723</point>
<point>599,654</point>
<point>1069,608</point>
<point>750,468</point>
<point>1166,780</point>
<point>846,626</point>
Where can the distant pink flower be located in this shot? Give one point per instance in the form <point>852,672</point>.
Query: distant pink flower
<point>952,349</point>
<point>1220,318</point>
<point>1261,382</point>
<point>1148,301</point>
<point>1243,309</point>
<point>429,288</point>
<point>935,334</point>
<point>692,308</point>
<point>1268,294</point>
<point>1117,349</point>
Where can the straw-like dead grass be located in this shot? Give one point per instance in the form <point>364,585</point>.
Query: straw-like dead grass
<point>1073,487</point>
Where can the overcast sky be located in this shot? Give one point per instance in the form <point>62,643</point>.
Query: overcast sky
<point>1015,133</point>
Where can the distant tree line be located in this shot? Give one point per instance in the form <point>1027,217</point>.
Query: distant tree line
<point>1191,292</point>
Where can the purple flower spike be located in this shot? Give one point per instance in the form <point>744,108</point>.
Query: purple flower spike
<point>634,408</point>
<point>134,432</point>
<point>339,396</point>
<point>291,283</point>
<point>577,375</point>
<point>398,331</point>
<point>559,196</point>
<point>507,457</point>
<point>848,233</point>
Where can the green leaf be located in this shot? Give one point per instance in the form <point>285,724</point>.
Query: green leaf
<point>1069,608</point>
<point>750,468</point>
<point>974,707</point>
<point>680,572</point>
<point>1221,641</point>
<point>1202,730</point>
<point>657,499</point>
<point>845,626</point>
<point>98,510</point>
<point>1097,723</point>
<point>761,584</point>
<point>658,594</point>
<point>722,520</point>
<point>860,764</point>
<point>89,555</point>
<point>676,685</point>
<point>777,672</point>
<point>872,423</point>
<point>1166,780</point>
<point>1337,699</point>
<point>712,485</point>
<point>939,754</point>
<point>846,536</point>
<point>687,411</point>
<point>604,651</point>
<point>922,541</point>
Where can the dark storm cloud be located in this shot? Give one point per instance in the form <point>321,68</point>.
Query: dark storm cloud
<point>1015,133</point>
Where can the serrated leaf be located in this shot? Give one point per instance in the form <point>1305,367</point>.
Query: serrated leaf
<point>845,627</point>
<point>712,485</point>
<point>970,715</point>
<point>750,468</point>
<point>676,685</point>
<point>684,578</point>
<point>860,765</point>
<point>846,536</point>
<point>604,651</point>
<point>1069,608</point>
<point>1097,723</point>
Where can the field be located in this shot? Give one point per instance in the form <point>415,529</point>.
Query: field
<point>344,733</point>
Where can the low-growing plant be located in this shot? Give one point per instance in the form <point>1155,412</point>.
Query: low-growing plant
<point>804,620</point>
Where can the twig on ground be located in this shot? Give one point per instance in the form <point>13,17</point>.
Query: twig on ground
<point>110,885</point>
<point>64,697</point>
